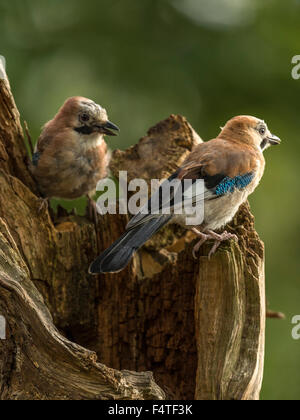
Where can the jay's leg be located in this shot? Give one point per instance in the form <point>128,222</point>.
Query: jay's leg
<point>198,245</point>
<point>218,238</point>
<point>225,236</point>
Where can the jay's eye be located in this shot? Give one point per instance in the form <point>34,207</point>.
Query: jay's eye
<point>84,117</point>
<point>262,131</point>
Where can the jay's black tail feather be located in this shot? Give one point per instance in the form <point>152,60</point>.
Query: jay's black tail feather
<point>118,255</point>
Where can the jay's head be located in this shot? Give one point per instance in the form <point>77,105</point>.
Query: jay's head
<point>249,130</point>
<point>86,117</point>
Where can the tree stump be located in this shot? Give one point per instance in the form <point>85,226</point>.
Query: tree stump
<point>167,326</point>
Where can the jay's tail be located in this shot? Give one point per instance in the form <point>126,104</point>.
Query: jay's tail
<point>118,255</point>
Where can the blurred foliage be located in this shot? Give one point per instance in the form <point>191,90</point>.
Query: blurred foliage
<point>206,59</point>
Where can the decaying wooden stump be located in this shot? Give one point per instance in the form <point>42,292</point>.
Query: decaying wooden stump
<point>198,326</point>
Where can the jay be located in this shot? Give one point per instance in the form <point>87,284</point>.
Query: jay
<point>71,155</point>
<point>231,167</point>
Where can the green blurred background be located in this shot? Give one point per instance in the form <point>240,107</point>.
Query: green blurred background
<point>206,59</point>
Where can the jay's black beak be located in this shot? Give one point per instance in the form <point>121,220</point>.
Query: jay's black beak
<point>274,140</point>
<point>107,127</point>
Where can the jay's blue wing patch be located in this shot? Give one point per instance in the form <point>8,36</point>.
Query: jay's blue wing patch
<point>215,186</point>
<point>35,158</point>
<point>229,185</point>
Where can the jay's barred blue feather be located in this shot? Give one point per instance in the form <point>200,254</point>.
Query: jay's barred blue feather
<point>229,185</point>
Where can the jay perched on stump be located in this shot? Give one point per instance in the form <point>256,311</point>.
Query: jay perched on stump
<point>230,166</point>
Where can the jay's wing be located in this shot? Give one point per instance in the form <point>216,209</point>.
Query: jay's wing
<point>165,200</point>
<point>222,170</point>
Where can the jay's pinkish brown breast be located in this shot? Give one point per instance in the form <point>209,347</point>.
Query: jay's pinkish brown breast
<point>71,173</point>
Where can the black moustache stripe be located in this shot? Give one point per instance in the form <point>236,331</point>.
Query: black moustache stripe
<point>84,130</point>
<point>264,143</point>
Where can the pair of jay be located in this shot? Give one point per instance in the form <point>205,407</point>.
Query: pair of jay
<point>71,157</point>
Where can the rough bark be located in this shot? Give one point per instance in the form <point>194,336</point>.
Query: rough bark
<point>197,325</point>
